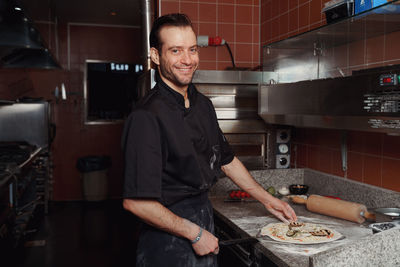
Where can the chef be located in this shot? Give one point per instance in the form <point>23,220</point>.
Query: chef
<point>174,153</point>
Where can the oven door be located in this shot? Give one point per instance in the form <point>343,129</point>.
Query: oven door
<point>239,254</point>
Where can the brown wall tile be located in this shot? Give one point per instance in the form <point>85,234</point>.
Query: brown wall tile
<point>372,170</point>
<point>169,7</point>
<point>293,20</point>
<point>304,16</point>
<point>355,166</point>
<point>226,13</point>
<point>190,9</point>
<point>337,168</point>
<point>315,11</point>
<point>283,6</point>
<point>245,33</point>
<point>374,49</point>
<point>207,12</point>
<point>391,146</point>
<point>244,14</point>
<point>390,174</point>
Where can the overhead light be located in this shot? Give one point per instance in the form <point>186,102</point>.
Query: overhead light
<point>17,8</point>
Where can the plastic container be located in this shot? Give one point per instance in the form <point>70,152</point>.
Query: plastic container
<point>94,177</point>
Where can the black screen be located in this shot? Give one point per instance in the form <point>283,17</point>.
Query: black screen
<point>112,89</point>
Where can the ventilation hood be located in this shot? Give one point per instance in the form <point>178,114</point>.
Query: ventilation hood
<point>21,45</point>
<point>369,100</point>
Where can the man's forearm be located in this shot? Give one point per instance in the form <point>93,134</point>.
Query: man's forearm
<point>240,176</point>
<point>155,214</point>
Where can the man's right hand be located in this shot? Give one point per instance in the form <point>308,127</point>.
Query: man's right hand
<point>207,244</point>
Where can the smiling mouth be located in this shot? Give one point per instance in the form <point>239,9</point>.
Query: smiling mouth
<point>185,70</point>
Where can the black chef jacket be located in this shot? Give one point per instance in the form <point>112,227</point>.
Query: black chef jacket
<point>172,152</point>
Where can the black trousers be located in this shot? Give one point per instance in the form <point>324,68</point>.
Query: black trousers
<point>159,248</point>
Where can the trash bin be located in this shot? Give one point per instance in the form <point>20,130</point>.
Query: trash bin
<point>94,176</point>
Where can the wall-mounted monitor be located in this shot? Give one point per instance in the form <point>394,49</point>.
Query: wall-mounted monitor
<point>110,90</point>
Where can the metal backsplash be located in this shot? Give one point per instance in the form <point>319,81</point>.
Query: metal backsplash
<point>25,122</point>
<point>234,96</point>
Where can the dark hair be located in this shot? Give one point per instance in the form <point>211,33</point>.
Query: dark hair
<point>174,19</point>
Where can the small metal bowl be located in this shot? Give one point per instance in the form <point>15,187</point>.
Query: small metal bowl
<point>393,213</point>
<point>298,189</point>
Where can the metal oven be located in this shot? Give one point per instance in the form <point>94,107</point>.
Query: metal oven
<point>236,249</point>
<point>23,145</point>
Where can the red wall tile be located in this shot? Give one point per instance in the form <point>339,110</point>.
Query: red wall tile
<point>304,16</point>
<point>226,14</point>
<point>244,14</point>
<point>235,21</point>
<point>188,9</point>
<point>390,174</point>
<point>372,170</point>
<point>207,12</point>
<point>355,166</point>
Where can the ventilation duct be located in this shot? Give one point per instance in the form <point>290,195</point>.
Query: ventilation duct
<point>21,45</point>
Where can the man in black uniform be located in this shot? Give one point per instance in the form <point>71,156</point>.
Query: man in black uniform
<point>174,152</point>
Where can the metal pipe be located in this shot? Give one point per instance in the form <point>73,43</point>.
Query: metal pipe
<point>147,21</point>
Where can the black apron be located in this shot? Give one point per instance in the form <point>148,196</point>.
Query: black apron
<point>159,248</point>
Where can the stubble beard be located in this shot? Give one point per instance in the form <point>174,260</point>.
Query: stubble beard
<point>175,79</point>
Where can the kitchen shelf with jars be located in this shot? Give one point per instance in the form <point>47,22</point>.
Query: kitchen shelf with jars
<point>325,52</point>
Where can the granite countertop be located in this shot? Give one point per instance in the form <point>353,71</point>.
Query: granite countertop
<point>252,216</point>
<point>359,247</point>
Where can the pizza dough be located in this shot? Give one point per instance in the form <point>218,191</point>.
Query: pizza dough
<point>300,233</point>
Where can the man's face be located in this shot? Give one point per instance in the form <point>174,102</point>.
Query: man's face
<point>178,58</point>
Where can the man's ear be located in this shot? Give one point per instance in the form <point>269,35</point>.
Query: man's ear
<point>155,57</point>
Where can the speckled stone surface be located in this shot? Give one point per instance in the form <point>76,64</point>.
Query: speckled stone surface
<point>274,177</point>
<point>251,217</point>
<point>371,196</point>
<point>359,247</point>
<point>380,249</point>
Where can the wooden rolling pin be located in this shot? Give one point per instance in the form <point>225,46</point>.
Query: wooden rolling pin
<point>347,210</point>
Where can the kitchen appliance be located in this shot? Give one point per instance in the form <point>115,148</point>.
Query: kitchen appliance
<point>347,210</point>
<point>338,9</point>
<point>234,96</point>
<point>235,248</point>
<point>365,101</point>
<point>24,166</point>
<point>283,137</point>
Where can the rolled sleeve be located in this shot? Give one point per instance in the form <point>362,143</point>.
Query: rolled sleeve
<point>227,154</point>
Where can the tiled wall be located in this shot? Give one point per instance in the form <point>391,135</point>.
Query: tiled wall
<point>284,18</point>
<point>373,158</point>
<point>236,21</point>
<point>74,139</point>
